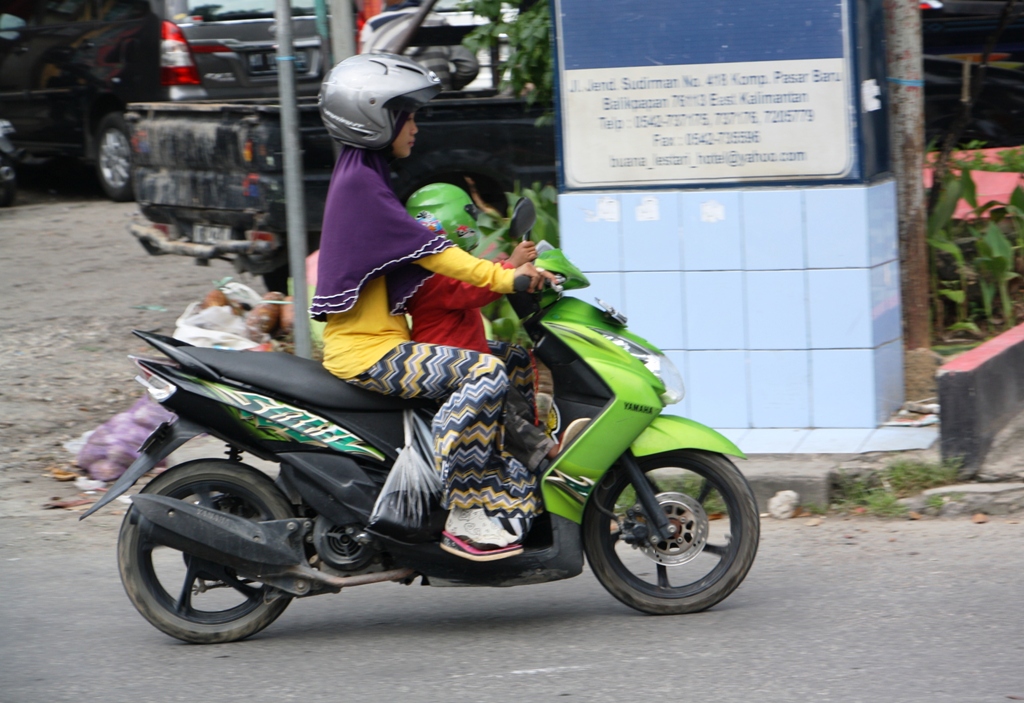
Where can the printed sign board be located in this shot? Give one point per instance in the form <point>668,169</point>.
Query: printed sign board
<point>691,92</point>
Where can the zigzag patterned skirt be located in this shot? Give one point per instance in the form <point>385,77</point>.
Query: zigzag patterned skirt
<point>468,451</point>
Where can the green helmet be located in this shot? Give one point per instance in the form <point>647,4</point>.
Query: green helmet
<point>447,210</point>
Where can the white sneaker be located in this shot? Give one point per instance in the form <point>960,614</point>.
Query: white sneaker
<point>474,525</point>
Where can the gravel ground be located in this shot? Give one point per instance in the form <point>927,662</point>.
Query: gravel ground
<point>75,284</point>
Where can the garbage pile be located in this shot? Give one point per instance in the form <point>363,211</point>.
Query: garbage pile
<point>234,316</point>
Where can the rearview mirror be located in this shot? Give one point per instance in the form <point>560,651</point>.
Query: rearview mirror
<point>524,215</point>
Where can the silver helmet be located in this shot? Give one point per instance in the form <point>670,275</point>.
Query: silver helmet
<point>361,97</point>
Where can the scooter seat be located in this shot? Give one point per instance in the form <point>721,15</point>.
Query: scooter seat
<point>304,380</point>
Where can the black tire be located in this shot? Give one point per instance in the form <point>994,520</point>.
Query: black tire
<point>223,485</point>
<point>114,158</point>
<point>712,570</point>
<point>277,280</point>
<point>8,182</point>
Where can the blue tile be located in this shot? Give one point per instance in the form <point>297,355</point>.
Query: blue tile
<point>780,389</point>
<point>773,229</point>
<point>711,233</point>
<point>834,441</point>
<point>889,387</point>
<point>606,286</point>
<point>772,441</point>
<point>590,229</point>
<point>886,310</point>
<point>654,304</point>
<point>837,227</point>
<point>717,388</point>
<point>843,388</point>
<point>839,305</point>
<point>883,223</point>
<point>900,439</point>
<point>714,310</point>
<point>650,232</point>
<point>681,360</point>
<point>776,310</point>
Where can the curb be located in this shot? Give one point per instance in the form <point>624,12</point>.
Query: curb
<point>980,392</point>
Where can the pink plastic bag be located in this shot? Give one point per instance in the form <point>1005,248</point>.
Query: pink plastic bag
<point>112,448</point>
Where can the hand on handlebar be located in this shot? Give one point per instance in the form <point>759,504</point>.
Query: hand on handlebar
<point>523,253</point>
<point>536,277</point>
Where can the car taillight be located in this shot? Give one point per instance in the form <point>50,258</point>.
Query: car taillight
<point>176,64</point>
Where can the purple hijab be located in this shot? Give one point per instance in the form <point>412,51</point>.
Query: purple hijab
<point>367,233</point>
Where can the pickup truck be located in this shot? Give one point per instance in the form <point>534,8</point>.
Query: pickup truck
<point>208,176</point>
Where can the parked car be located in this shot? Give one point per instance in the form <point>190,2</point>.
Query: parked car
<point>68,68</point>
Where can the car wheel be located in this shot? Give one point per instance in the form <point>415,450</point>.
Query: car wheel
<point>114,158</point>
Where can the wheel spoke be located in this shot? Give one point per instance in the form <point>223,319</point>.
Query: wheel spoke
<point>220,573</point>
<point>205,498</point>
<point>663,576</point>
<point>719,550</point>
<point>705,491</point>
<point>184,602</point>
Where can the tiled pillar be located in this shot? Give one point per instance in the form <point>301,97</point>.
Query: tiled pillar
<point>780,306</point>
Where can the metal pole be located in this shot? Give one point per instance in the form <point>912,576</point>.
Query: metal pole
<point>324,32</point>
<point>343,30</point>
<point>295,205</point>
<point>906,118</point>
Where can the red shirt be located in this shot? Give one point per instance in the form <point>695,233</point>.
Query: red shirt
<point>446,311</point>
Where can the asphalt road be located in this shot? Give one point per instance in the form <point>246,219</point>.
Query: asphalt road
<point>851,610</point>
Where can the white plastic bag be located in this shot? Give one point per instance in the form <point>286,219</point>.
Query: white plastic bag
<point>413,488</point>
<point>216,326</point>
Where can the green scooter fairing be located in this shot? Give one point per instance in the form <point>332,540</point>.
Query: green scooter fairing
<point>632,421</point>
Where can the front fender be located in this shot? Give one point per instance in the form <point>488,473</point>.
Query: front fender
<point>668,433</point>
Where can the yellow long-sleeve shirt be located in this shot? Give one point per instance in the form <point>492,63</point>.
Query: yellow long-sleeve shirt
<point>357,339</point>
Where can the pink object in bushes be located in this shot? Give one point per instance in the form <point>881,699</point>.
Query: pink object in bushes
<point>990,185</point>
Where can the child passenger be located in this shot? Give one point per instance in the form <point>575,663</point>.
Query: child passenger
<point>446,311</point>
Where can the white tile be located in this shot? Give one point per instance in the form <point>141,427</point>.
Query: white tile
<point>710,230</point>
<point>776,310</point>
<point>655,307</point>
<point>780,389</point>
<point>590,230</point>
<point>714,310</point>
<point>889,386</point>
<point>650,232</point>
<point>834,441</point>
<point>843,388</point>
<point>883,223</point>
<point>837,227</point>
<point>773,236</point>
<point>898,439</point>
<point>839,304</point>
<point>886,310</point>
<point>772,441</point>
<point>717,388</point>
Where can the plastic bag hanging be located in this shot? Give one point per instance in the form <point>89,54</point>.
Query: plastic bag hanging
<point>412,490</point>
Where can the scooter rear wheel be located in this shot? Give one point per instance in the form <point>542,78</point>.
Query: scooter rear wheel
<point>712,509</point>
<point>189,598</point>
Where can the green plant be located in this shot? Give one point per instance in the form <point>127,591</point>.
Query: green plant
<point>879,493</point>
<point>935,502</point>
<point>500,320</point>
<point>983,258</point>
<point>528,70</point>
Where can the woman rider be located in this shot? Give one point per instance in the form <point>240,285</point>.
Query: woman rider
<point>373,258</point>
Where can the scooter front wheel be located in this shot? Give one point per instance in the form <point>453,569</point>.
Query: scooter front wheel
<point>715,525</point>
<point>189,598</point>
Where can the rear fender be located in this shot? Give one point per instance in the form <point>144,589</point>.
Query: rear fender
<point>164,440</point>
<point>669,433</point>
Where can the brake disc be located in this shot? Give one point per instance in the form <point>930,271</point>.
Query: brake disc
<point>690,521</point>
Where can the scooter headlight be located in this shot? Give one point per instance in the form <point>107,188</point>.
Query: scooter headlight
<point>658,364</point>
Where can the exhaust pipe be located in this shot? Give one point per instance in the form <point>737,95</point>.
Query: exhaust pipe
<point>221,537</point>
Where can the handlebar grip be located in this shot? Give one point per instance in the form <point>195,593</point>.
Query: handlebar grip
<point>521,284</point>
